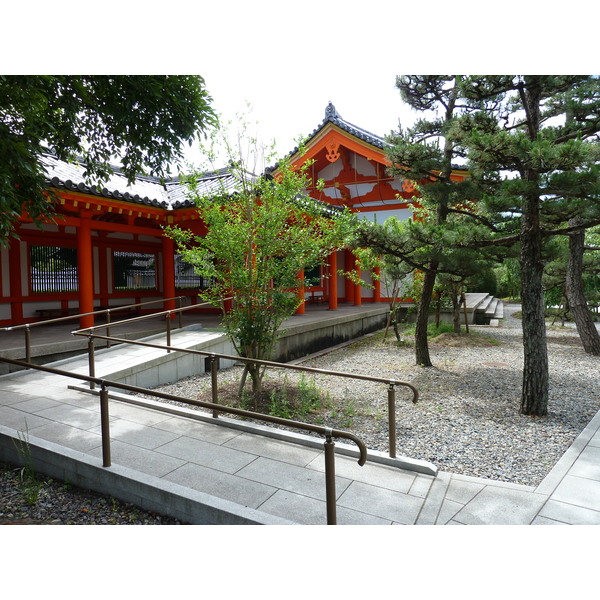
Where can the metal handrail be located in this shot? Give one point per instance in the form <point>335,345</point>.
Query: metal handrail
<point>167,313</point>
<point>328,432</point>
<point>27,326</point>
<point>96,312</point>
<point>391,383</point>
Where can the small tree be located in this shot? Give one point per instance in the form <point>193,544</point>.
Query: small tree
<point>260,237</point>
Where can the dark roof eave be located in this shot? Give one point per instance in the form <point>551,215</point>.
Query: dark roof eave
<point>104,192</point>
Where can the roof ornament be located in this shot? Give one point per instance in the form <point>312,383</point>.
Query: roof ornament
<point>331,112</point>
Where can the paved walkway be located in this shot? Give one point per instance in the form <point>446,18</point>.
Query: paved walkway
<point>213,473</point>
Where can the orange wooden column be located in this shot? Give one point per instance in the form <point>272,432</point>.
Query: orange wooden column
<point>168,264</point>
<point>302,308</point>
<point>85,267</point>
<point>15,282</point>
<point>333,283</point>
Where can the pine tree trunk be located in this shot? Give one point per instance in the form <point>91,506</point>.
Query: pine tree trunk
<point>421,344</point>
<point>534,394</point>
<point>456,311</point>
<point>582,316</point>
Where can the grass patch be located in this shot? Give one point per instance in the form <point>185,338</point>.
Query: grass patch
<point>283,399</point>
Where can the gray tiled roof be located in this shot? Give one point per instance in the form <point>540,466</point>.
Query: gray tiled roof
<point>146,190</point>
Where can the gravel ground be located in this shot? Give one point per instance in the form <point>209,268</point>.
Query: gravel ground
<point>466,421</point>
<point>44,501</point>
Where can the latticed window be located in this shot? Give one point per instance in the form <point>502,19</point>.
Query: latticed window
<point>186,276</point>
<point>53,269</point>
<point>134,271</point>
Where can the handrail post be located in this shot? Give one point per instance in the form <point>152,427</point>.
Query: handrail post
<point>392,419</point>
<point>330,478</point>
<point>179,312</point>
<point>91,361</point>
<point>168,331</point>
<point>213,383</point>
<point>27,344</point>
<point>104,422</point>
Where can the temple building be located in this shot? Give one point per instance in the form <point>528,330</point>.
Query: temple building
<point>106,247</point>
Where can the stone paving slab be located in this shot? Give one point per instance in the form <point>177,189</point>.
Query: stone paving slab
<point>565,513</point>
<point>310,511</point>
<point>388,504</point>
<point>222,485</point>
<point>137,434</point>
<point>68,436</point>
<point>269,448</point>
<point>291,478</point>
<point>501,506</point>
<point>197,430</point>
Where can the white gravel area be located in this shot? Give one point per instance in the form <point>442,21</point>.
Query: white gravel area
<point>467,419</point>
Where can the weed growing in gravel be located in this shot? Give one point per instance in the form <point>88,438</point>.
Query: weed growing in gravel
<point>28,483</point>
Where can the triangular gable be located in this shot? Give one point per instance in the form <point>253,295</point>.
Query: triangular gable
<point>352,164</point>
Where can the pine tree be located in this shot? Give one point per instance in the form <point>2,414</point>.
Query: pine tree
<point>446,210</point>
<point>533,146</point>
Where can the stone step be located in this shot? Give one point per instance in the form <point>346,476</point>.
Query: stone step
<point>485,302</point>
<point>490,311</point>
<point>499,314</point>
<point>474,300</point>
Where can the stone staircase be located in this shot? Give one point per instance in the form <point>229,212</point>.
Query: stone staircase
<point>486,309</point>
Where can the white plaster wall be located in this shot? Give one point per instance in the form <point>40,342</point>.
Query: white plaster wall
<point>397,184</point>
<point>331,171</point>
<point>363,167</point>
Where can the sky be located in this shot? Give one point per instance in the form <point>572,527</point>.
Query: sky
<point>287,60</point>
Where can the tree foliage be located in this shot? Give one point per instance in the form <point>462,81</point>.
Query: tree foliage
<point>141,121</point>
<point>259,238</point>
<point>533,148</point>
<point>445,212</point>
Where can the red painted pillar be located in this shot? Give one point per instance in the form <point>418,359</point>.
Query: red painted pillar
<point>302,308</point>
<point>333,282</point>
<point>168,264</point>
<point>85,265</point>
<point>16,284</point>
